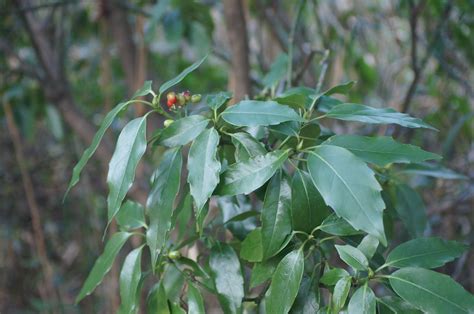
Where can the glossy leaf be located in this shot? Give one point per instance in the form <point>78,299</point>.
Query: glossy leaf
<point>160,202</point>
<point>368,246</point>
<point>366,114</point>
<point>157,302</point>
<point>341,291</point>
<point>308,209</point>
<point>203,167</point>
<point>131,215</point>
<point>176,309</point>
<point>285,283</point>
<point>247,176</point>
<point>183,131</point>
<point>425,253</point>
<point>109,118</point>
<point>352,257</point>
<point>144,90</point>
<point>251,249</point>
<point>296,97</point>
<point>332,276</point>
<point>348,185</point>
<point>337,226</point>
<point>308,299</point>
<point>195,301</point>
<point>431,291</point>
<point>130,280</point>
<point>256,113</point>
<point>131,145</point>
<point>246,146</point>
<point>340,89</point>
<point>263,271</point>
<point>215,101</point>
<point>411,209</point>
<point>395,305</point>
<point>381,150</point>
<point>227,275</point>
<point>181,76</point>
<point>103,263</point>
<point>362,301</point>
<point>275,217</point>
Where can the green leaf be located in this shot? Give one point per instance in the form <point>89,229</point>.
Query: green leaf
<point>341,291</point>
<point>352,257</point>
<point>263,271</point>
<point>411,209</point>
<point>130,280</point>
<point>251,249</point>
<point>308,209</point>
<point>285,283</point>
<point>203,167</point>
<point>227,275</point>
<point>332,276</point>
<point>366,114</point>
<point>195,301</point>
<point>296,97</point>
<point>131,215</point>
<point>431,292</point>
<point>181,76</point>
<point>382,150</point>
<point>131,145</point>
<point>277,70</point>
<point>183,131</point>
<point>340,89</point>
<point>144,90</point>
<point>276,216</point>
<point>256,113</point>
<point>396,305</point>
<point>337,226</point>
<point>425,253</point>
<point>103,264</point>
<point>176,309</point>
<point>109,118</point>
<point>348,185</point>
<point>215,101</point>
<point>368,246</point>
<point>362,301</point>
<point>308,298</point>
<point>433,170</point>
<point>157,302</point>
<point>247,176</point>
<point>246,146</point>
<point>160,202</point>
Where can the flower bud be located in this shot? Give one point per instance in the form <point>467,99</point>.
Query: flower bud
<point>174,255</point>
<point>168,122</point>
<point>187,95</point>
<point>196,98</point>
<point>181,99</point>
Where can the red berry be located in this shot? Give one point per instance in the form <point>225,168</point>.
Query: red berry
<point>171,96</point>
<point>171,103</point>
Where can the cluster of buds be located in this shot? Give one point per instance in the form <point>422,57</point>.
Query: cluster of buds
<point>179,100</point>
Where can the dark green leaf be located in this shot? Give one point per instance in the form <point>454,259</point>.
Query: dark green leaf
<point>433,170</point>
<point>368,246</point>
<point>285,283</point>
<point>431,291</point>
<point>176,309</point>
<point>195,301</point>
<point>411,209</point>
<point>227,275</point>
<point>307,206</point>
<point>425,253</point>
<point>246,146</point>
<point>243,216</point>
<point>263,271</point>
<point>203,167</point>
<point>130,280</point>
<point>251,249</point>
<point>352,257</point>
<point>181,76</point>
<point>395,305</point>
<point>309,134</point>
<point>247,176</point>
<point>381,150</point>
<point>173,281</point>
<point>331,277</point>
<point>337,226</point>
<point>366,114</point>
<point>144,90</point>
<point>276,219</point>
<point>131,215</point>
<point>103,264</point>
<point>109,118</point>
<point>160,202</point>
<point>216,101</point>
<point>256,113</point>
<point>232,208</point>
<point>340,89</point>
<point>297,97</point>
<point>183,131</point>
<point>157,302</point>
<point>326,103</point>
<point>131,145</point>
<point>308,297</point>
<point>341,291</point>
<point>362,301</point>
<point>348,185</point>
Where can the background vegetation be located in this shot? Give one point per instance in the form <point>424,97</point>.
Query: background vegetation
<point>64,63</point>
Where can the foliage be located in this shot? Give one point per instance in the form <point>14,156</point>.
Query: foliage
<point>311,202</point>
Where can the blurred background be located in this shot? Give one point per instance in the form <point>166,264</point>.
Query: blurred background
<point>64,64</point>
